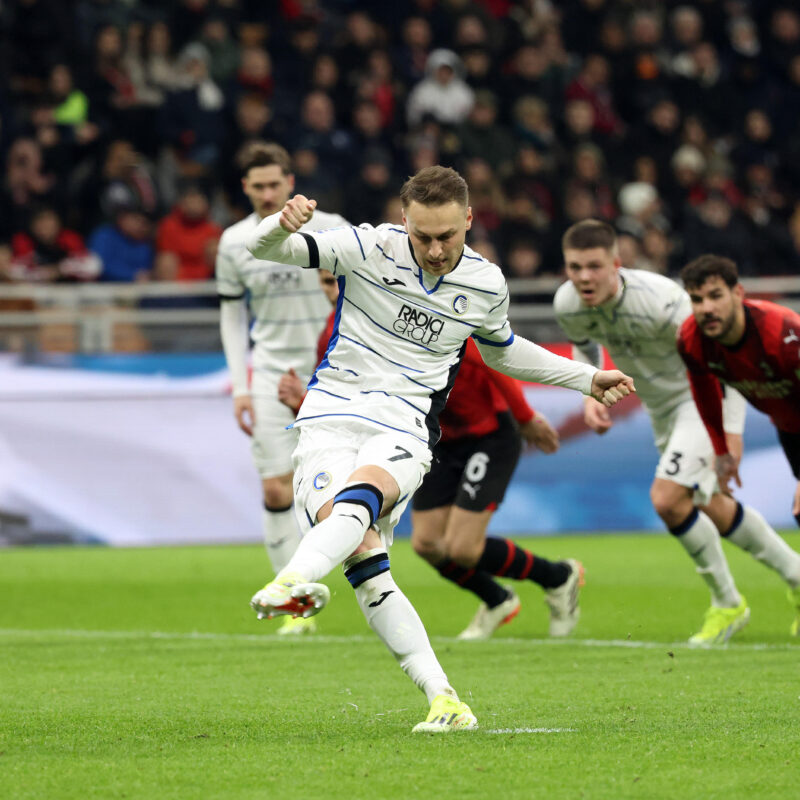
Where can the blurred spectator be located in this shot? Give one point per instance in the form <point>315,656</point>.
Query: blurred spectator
<point>69,105</point>
<point>368,194</point>
<point>48,252</point>
<point>534,126</point>
<point>412,55</point>
<point>254,75</point>
<point>657,251</point>
<point>481,136</point>
<point>326,77</point>
<point>124,246</point>
<point>358,38</point>
<point>588,171</point>
<point>533,74</point>
<point>485,196</point>
<point>378,85</point>
<point>193,119</point>
<point>640,209</point>
<point>442,94</point>
<point>715,227</point>
<point>592,84</point>
<point>223,49</point>
<point>368,130</point>
<point>312,179</point>
<point>479,70</point>
<point>123,178</point>
<point>659,134</point>
<point>150,64</point>
<point>533,176</point>
<point>26,185</point>
<point>189,234</point>
<point>702,88</point>
<point>332,144</point>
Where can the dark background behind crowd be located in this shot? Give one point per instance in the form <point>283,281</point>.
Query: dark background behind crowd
<point>121,121</point>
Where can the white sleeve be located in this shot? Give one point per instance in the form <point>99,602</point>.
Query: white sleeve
<point>496,329</point>
<point>338,249</point>
<point>235,335</point>
<point>229,284</point>
<point>734,409</point>
<point>526,361</point>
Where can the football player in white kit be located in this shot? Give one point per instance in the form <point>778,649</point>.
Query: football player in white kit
<point>289,311</point>
<point>637,316</point>
<point>409,297</point>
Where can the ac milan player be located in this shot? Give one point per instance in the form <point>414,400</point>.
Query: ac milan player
<point>751,345</point>
<point>472,466</point>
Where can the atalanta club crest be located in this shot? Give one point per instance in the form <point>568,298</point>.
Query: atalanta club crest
<point>321,480</point>
<point>460,304</point>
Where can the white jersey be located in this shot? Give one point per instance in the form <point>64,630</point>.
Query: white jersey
<point>639,328</point>
<point>400,332</point>
<point>287,304</point>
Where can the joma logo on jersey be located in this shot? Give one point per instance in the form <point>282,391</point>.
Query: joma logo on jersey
<point>418,325</point>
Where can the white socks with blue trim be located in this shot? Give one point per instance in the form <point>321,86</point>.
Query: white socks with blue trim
<point>395,621</point>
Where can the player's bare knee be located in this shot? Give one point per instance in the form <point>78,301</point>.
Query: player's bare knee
<point>277,494</point>
<point>465,553</point>
<point>382,481</point>
<point>671,501</point>
<point>427,547</point>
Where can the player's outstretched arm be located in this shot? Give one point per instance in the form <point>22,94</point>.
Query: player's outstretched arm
<point>275,237</point>
<point>527,361</point>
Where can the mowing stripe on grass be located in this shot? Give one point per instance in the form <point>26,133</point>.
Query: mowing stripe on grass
<point>322,639</point>
<point>531,730</point>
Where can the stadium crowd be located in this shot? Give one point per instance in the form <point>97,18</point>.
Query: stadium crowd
<point>121,124</point>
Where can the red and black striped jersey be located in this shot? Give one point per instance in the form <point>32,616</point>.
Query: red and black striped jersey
<point>764,367</point>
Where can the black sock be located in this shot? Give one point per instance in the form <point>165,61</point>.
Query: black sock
<point>502,557</point>
<point>479,583</point>
<point>797,519</point>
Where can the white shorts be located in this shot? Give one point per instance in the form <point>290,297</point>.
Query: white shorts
<point>329,453</point>
<point>687,456</point>
<point>272,445</point>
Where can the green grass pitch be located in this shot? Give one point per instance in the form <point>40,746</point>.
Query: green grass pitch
<point>144,674</point>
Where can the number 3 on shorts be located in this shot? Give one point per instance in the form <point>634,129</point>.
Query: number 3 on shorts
<point>675,466</point>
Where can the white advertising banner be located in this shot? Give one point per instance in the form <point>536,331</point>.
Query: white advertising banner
<point>146,459</point>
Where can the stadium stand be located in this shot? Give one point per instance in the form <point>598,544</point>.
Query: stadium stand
<point>679,123</point>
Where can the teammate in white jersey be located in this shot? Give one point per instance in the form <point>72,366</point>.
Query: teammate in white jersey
<point>289,310</point>
<point>637,316</point>
<point>409,298</point>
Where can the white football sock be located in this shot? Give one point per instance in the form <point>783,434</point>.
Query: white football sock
<point>281,536</point>
<point>393,618</point>
<point>755,535</point>
<point>329,542</point>
<point>701,541</point>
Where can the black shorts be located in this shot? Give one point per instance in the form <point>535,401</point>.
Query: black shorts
<point>790,442</point>
<point>473,472</point>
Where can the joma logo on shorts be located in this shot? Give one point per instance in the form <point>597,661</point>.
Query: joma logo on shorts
<point>418,325</point>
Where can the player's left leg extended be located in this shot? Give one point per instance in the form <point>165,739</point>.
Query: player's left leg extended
<point>746,528</point>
